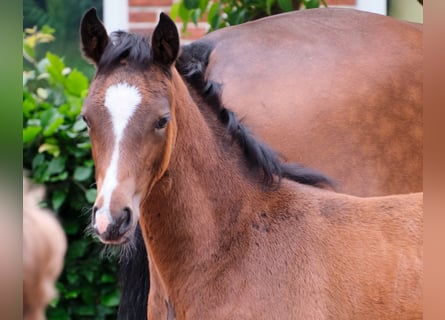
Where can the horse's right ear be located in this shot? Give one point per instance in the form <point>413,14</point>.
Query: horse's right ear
<point>93,35</point>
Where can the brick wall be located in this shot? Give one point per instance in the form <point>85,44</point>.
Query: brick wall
<point>143,15</point>
<point>341,2</point>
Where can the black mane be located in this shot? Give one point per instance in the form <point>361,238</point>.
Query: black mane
<point>134,281</point>
<point>135,48</point>
<point>191,64</point>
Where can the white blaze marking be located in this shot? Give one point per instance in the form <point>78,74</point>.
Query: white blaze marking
<point>121,101</point>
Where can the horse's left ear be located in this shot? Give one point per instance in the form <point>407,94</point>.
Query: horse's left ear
<point>165,41</point>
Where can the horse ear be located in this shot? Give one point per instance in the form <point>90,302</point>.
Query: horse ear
<point>93,35</point>
<point>165,41</point>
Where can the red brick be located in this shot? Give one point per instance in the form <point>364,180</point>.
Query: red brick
<point>190,34</point>
<point>340,2</point>
<point>193,33</point>
<point>143,17</point>
<point>143,31</point>
<point>154,3</point>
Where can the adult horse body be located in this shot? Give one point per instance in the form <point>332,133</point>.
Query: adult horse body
<point>221,244</point>
<point>339,90</point>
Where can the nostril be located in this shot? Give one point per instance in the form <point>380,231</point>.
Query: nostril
<point>126,219</point>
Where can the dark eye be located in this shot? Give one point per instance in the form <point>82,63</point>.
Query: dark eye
<point>162,122</point>
<point>85,119</point>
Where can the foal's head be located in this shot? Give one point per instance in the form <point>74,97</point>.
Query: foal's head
<point>130,119</point>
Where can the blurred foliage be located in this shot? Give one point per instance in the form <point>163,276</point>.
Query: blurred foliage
<point>64,17</point>
<point>223,13</point>
<point>57,154</point>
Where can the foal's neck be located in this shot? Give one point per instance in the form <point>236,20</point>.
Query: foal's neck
<point>192,211</point>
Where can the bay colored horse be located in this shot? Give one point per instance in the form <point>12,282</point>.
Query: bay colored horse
<point>228,236</point>
<point>339,90</point>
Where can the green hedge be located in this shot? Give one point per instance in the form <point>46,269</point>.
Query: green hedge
<point>223,13</point>
<point>57,154</point>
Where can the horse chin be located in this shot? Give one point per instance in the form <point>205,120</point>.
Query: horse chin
<point>114,242</point>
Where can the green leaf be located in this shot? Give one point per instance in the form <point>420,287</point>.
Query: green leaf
<point>47,116</point>
<point>82,173</point>
<point>54,302</point>
<point>214,18</point>
<point>56,62</point>
<point>203,5</point>
<point>310,4</point>
<point>50,148</point>
<point>55,68</point>
<point>89,275</point>
<point>71,294</point>
<point>60,177</point>
<point>52,127</point>
<point>30,133</point>
<point>84,145</point>
<point>29,104</point>
<point>47,29</point>
<point>88,295</point>
<point>79,125</point>
<point>76,104</point>
<point>51,121</point>
<point>174,10</point>
<point>76,83</point>
<point>237,16</point>
<point>71,227</point>
<point>37,161</point>
<point>111,299</point>
<point>269,4</point>
<point>40,174</point>
<point>57,199</point>
<point>286,5</point>
<point>58,314</point>
<point>191,4</point>
<point>195,15</point>
<point>106,278</point>
<point>56,165</point>
<point>91,195</point>
<point>184,14</point>
<point>77,249</point>
<point>29,51</point>
<point>73,278</point>
<point>89,163</point>
<point>86,310</point>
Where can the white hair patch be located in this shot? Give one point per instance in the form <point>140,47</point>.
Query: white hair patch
<point>121,101</point>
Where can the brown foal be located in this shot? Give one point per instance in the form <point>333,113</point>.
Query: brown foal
<point>227,234</point>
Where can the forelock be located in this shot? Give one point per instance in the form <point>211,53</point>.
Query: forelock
<point>133,48</point>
